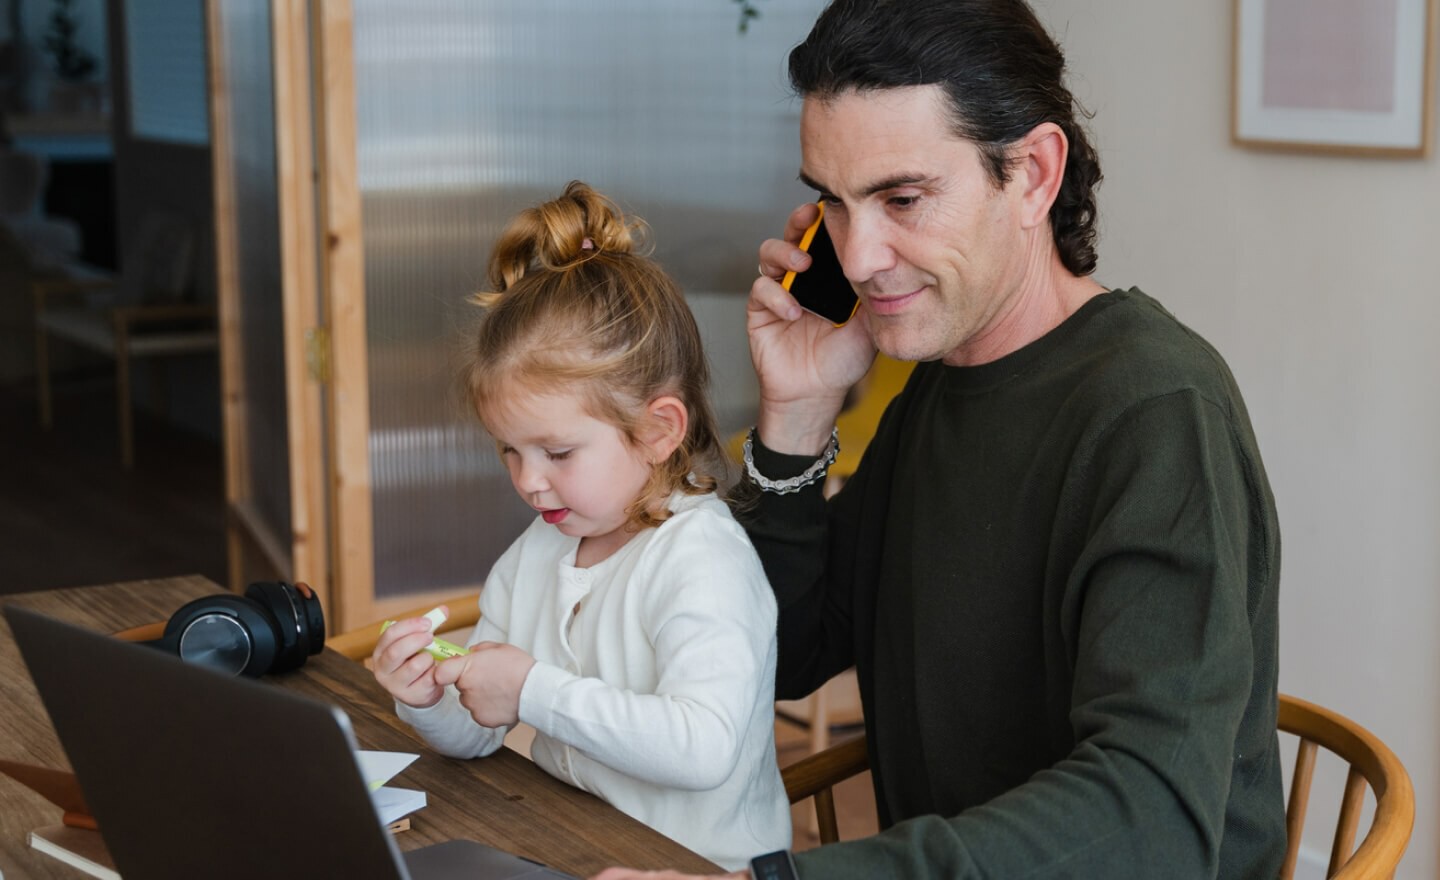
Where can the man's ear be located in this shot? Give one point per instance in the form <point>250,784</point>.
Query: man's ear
<point>666,422</point>
<point>1042,153</point>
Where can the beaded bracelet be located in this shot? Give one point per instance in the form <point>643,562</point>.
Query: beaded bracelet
<point>814,473</point>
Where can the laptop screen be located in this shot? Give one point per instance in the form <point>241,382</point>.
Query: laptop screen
<point>191,773</point>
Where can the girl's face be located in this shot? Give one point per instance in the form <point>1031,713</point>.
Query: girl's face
<point>579,472</point>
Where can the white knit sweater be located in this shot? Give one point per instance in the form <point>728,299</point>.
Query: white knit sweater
<point>658,695</point>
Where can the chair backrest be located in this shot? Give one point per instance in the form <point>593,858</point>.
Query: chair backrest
<point>1371,762</point>
<point>157,260</point>
<point>817,775</point>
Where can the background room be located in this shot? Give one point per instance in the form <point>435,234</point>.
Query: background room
<point>1312,273</point>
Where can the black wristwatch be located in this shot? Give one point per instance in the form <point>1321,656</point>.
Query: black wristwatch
<point>774,866</point>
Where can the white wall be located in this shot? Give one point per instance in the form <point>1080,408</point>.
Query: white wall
<point>1318,278</point>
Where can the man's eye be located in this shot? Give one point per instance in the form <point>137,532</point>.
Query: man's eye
<point>903,201</point>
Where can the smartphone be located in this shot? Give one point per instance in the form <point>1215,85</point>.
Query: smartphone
<point>822,289</point>
<point>773,866</point>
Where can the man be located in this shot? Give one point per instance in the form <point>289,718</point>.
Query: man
<point>1056,568</point>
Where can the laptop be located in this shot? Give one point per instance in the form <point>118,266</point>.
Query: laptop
<point>191,773</point>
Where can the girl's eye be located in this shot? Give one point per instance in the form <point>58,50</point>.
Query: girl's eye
<point>506,450</point>
<point>559,456</point>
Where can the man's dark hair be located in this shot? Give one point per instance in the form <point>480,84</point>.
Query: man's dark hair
<point>1002,72</point>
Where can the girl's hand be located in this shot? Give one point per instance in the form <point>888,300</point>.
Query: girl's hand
<point>804,363</point>
<point>402,666</point>
<point>489,680</point>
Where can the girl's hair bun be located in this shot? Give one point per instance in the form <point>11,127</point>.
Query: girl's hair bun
<point>560,234</point>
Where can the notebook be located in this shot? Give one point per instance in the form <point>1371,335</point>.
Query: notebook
<point>191,773</point>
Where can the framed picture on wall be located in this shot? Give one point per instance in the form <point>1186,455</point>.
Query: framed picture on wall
<point>1335,76</point>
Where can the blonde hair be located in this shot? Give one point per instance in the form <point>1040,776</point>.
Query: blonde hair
<point>574,309</point>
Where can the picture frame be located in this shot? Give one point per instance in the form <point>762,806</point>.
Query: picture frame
<point>1335,76</point>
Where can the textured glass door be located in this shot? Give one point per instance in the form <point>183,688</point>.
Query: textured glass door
<point>456,115</point>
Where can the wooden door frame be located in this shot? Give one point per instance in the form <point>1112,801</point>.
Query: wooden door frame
<point>295,187</point>
<point>343,284</point>
<point>301,555</point>
<point>342,271</point>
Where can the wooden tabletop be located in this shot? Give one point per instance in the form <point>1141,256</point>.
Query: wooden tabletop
<point>503,800</point>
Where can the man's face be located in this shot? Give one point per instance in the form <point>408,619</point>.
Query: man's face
<point>936,253</point>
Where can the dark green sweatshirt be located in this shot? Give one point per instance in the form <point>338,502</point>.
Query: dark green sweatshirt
<point>1056,575</point>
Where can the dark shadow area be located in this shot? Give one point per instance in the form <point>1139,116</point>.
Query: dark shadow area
<point>71,516</point>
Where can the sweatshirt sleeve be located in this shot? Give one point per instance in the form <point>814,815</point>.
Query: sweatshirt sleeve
<point>811,550</point>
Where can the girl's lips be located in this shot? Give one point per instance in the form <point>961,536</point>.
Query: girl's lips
<point>554,516</point>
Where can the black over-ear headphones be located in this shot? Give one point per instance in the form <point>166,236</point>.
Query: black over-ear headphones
<point>272,628</point>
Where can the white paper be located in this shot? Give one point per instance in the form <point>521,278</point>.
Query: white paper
<point>392,803</point>
<point>378,768</point>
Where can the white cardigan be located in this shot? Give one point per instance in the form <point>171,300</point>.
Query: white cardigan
<point>658,696</point>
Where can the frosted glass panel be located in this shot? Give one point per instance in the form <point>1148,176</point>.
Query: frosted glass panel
<point>245,26</point>
<point>469,112</point>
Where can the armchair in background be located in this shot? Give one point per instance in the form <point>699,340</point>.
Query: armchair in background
<point>32,244</point>
<point>140,312</point>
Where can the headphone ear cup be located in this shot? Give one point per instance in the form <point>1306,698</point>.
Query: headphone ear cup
<point>298,620</point>
<point>225,632</point>
<point>271,598</point>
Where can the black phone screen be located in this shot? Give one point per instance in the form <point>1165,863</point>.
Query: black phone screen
<point>823,288</point>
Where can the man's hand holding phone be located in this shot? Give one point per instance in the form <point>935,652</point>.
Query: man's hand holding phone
<point>805,362</point>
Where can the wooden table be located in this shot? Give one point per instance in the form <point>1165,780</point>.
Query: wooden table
<point>503,800</point>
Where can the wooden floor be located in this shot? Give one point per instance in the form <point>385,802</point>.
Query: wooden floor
<point>71,516</point>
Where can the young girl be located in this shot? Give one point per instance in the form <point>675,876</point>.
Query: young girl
<point>631,624</point>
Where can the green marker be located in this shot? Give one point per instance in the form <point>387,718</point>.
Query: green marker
<point>438,648</point>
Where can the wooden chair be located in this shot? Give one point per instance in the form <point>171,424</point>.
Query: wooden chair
<point>817,775</point>
<point>139,313</point>
<point>1371,762</point>
<point>359,644</point>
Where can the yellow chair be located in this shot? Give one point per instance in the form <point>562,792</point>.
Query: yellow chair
<point>858,423</point>
<point>359,644</point>
<point>1371,762</point>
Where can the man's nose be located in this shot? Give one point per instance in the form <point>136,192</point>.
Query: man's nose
<point>863,248</point>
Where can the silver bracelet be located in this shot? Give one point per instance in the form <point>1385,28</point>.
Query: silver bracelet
<point>813,473</point>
